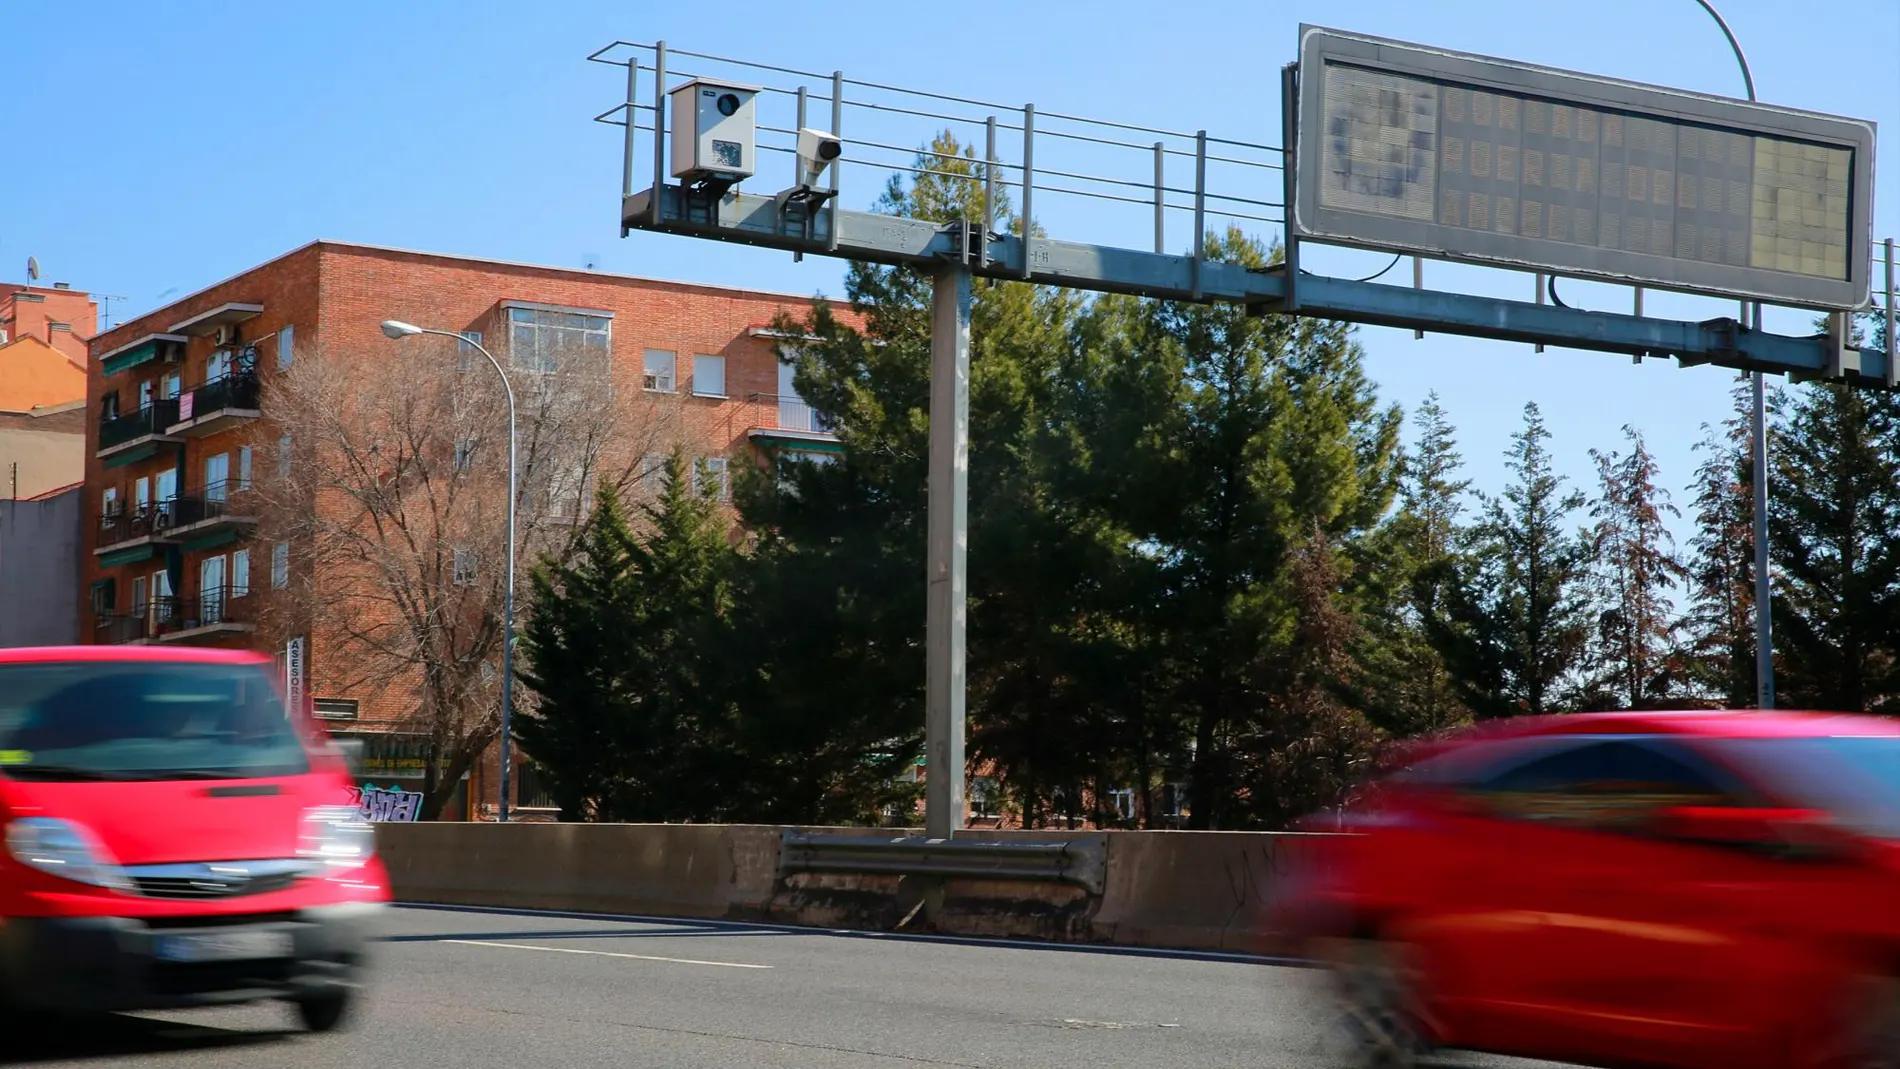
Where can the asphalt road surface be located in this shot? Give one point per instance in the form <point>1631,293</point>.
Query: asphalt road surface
<point>477,989</point>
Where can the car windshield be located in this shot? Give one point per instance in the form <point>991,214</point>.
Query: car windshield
<point>73,721</point>
<point>1854,778</point>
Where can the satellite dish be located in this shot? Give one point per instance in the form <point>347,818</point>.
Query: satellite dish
<point>32,268</point>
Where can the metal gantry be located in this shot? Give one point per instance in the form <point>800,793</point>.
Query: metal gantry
<point>1052,164</point>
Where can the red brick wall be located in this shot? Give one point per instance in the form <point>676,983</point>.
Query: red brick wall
<point>30,318</point>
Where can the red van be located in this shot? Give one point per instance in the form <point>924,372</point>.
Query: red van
<point>175,837</point>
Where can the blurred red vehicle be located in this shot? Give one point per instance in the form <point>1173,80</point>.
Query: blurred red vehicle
<point>174,836</point>
<point>1715,890</point>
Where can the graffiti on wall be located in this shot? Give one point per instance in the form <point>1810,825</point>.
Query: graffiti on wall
<point>387,804</point>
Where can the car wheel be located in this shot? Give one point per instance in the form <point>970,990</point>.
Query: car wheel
<point>324,1013</point>
<point>1870,1036</point>
<point>1378,985</point>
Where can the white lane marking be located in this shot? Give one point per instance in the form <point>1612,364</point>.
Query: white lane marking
<point>602,954</point>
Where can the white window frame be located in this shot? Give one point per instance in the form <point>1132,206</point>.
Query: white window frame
<point>286,345</point>
<point>240,573</point>
<point>720,470</point>
<point>165,487</point>
<point>108,501</point>
<point>243,468</point>
<point>280,565</point>
<point>283,457</point>
<point>703,363</point>
<point>170,386</point>
<point>142,493</point>
<point>547,329</point>
<point>653,474</point>
<point>656,381</point>
<point>218,477</point>
<point>465,351</point>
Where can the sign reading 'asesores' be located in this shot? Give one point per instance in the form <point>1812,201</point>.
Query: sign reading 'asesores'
<point>1414,149</point>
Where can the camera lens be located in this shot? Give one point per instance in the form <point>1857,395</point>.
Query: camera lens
<point>728,103</point>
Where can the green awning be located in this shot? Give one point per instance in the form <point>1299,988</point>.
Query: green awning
<point>212,540</point>
<point>126,556</point>
<point>793,444</point>
<point>130,358</point>
<point>132,456</point>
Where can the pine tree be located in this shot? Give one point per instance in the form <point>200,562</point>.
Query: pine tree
<point>1833,515</point>
<point>628,654</point>
<point>1636,567</point>
<point>1404,684</point>
<point>1720,577</point>
<point>579,616</point>
<point>1516,629</point>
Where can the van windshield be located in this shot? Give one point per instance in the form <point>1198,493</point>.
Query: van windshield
<point>100,720</point>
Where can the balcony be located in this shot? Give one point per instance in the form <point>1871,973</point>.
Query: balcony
<point>218,405</point>
<point>135,436</point>
<point>790,423</point>
<point>208,614</point>
<point>195,521</point>
<point>128,629</point>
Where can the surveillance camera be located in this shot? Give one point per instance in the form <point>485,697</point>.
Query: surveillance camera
<point>816,150</point>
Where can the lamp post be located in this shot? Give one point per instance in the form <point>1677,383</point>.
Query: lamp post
<point>397,329</point>
<point>1758,449</point>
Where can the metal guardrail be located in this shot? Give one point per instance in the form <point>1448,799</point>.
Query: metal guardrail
<point>1078,863</point>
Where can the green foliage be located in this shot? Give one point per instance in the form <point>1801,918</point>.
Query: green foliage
<point>1719,625</point>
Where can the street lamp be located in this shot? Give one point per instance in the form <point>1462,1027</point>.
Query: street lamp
<point>396,329</point>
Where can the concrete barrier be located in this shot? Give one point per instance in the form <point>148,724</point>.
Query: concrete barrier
<point>1174,890</point>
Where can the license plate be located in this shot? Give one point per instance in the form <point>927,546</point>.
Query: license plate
<point>223,946</point>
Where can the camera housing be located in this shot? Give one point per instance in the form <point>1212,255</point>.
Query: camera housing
<point>715,131</point>
<point>816,150</point>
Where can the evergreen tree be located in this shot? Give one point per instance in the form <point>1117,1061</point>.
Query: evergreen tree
<point>1833,515</point>
<point>579,617</point>
<point>646,734</point>
<point>1636,567</point>
<point>1516,626</point>
<point>1404,684</point>
<point>1720,621</point>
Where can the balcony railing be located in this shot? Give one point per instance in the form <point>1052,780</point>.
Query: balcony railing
<point>152,419</point>
<point>115,629</point>
<point>218,501</point>
<point>238,390</point>
<point>794,414</point>
<point>219,606</point>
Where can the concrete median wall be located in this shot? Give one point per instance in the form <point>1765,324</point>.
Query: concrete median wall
<point>1175,890</point>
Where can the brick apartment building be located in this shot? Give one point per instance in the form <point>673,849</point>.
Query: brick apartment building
<point>178,433</point>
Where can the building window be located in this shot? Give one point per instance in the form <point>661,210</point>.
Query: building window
<point>169,386</point>
<point>165,488</point>
<point>109,501</point>
<point>280,565</point>
<point>141,493</point>
<point>1122,800</point>
<point>462,568</point>
<point>465,352</point>
<point>653,474</point>
<point>983,797</point>
<point>145,395</point>
<point>240,572</point>
<point>217,476</point>
<point>464,454</point>
<point>542,339</point>
<point>713,479</point>
<point>658,375</point>
<point>283,457</point>
<point>105,597</point>
<point>244,468</point>
<point>336,708</point>
<point>709,376</point>
<point>218,366</point>
<point>286,346</point>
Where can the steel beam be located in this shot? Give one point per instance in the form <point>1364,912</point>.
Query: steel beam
<point>890,239</point>
<point>947,565</point>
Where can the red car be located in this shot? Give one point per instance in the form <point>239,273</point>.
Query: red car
<point>1716,890</point>
<point>175,837</point>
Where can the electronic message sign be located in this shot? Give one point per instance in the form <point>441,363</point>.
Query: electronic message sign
<point>1415,149</point>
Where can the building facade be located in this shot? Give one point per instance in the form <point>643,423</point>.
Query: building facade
<point>60,316</point>
<point>39,542</point>
<point>180,434</point>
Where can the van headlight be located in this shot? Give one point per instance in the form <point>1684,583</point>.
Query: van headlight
<point>336,837</point>
<point>67,850</point>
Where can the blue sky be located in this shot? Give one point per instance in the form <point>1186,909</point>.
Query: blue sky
<point>183,142</point>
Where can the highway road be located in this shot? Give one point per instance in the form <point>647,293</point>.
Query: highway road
<point>479,989</point>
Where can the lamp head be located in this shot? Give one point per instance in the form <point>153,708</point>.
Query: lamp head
<point>396,328</point>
